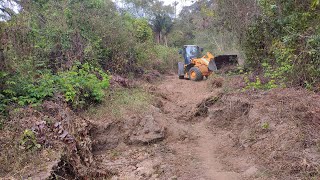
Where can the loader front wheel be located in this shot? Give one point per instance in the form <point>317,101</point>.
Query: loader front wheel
<point>195,74</point>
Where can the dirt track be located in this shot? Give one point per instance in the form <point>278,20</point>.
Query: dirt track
<point>198,155</point>
<point>194,132</point>
<point>189,150</point>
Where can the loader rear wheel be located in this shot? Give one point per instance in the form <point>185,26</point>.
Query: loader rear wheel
<point>195,74</point>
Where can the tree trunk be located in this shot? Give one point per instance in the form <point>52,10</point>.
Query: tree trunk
<point>165,40</point>
<point>158,37</point>
<point>2,60</point>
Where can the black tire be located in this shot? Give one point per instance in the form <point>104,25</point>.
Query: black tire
<point>198,75</point>
<point>181,77</point>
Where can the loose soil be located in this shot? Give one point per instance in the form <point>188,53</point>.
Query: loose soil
<point>196,130</point>
<point>186,148</point>
<point>207,130</point>
<point>197,154</point>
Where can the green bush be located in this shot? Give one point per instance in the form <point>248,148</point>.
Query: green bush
<point>257,84</point>
<point>80,85</point>
<point>28,140</point>
<point>167,57</point>
<point>83,84</point>
<point>157,57</point>
<point>283,42</point>
<point>37,91</point>
<point>142,30</point>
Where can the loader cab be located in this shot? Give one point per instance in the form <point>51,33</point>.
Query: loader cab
<point>189,52</point>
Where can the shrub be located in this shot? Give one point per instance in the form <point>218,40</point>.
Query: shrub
<point>142,30</point>
<point>28,140</point>
<point>81,84</point>
<point>257,84</point>
<point>158,57</point>
<point>283,42</point>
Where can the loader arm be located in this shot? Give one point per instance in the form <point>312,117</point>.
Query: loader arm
<point>205,60</point>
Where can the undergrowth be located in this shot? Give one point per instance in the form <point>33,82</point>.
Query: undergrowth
<point>81,85</point>
<point>283,44</point>
<point>118,103</point>
<point>258,84</point>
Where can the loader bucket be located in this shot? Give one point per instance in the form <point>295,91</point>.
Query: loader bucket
<point>226,60</point>
<point>212,66</point>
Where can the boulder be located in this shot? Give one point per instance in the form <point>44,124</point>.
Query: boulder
<point>147,131</point>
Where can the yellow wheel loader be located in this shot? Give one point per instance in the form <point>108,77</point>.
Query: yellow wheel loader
<point>195,67</point>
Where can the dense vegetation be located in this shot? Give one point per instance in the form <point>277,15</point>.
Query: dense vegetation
<point>287,39</point>
<point>72,47</point>
<point>279,40</point>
